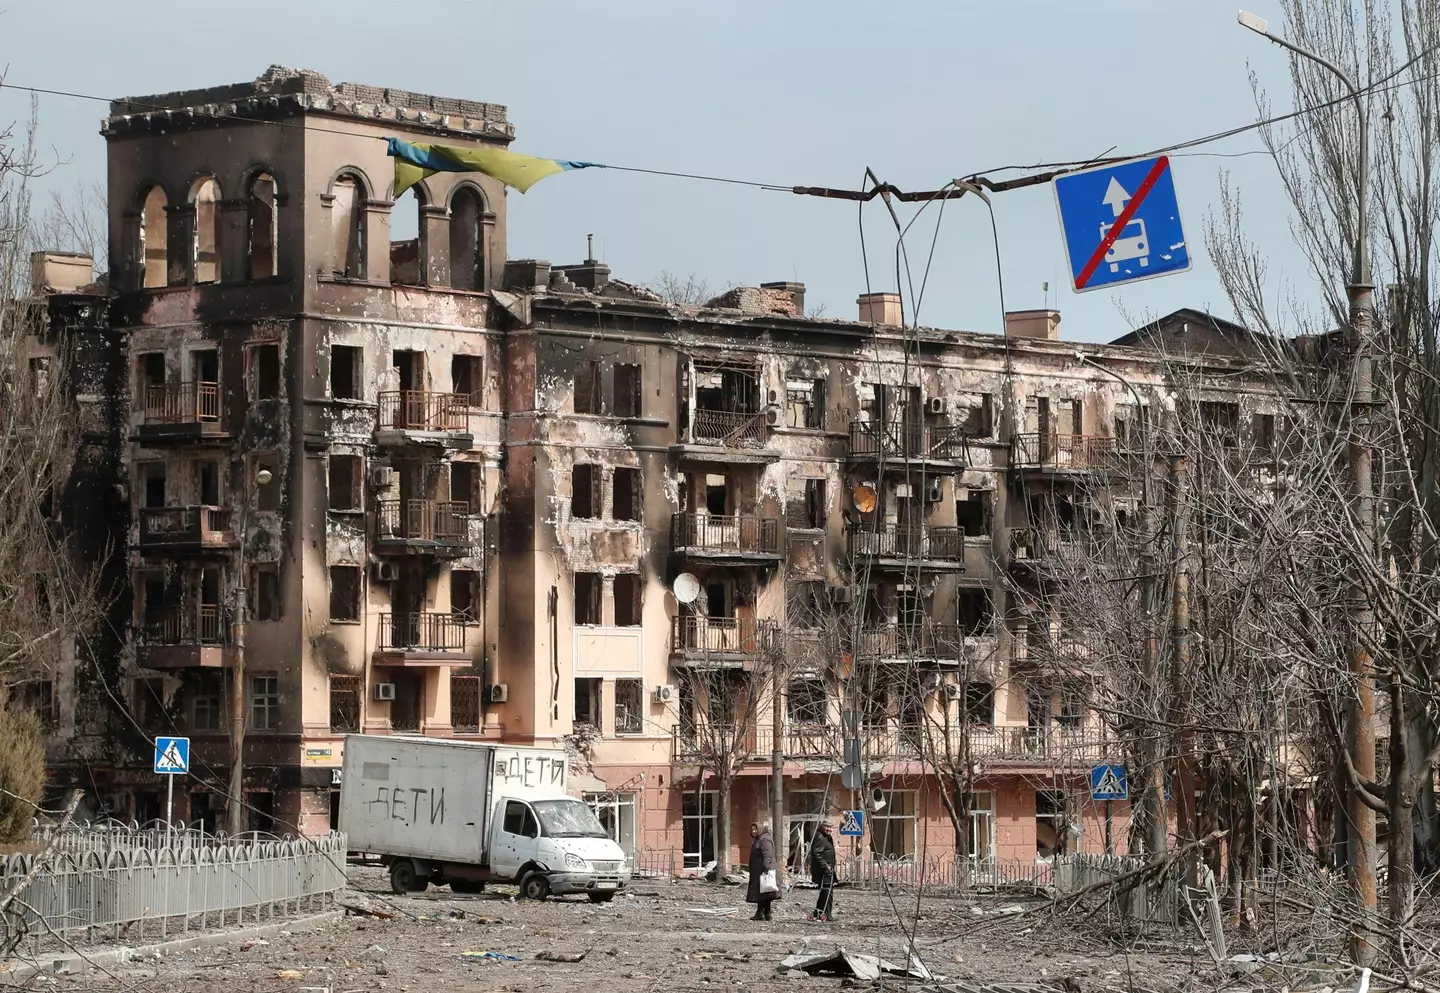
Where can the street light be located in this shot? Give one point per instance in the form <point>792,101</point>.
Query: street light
<point>237,682</point>
<point>1361,296</point>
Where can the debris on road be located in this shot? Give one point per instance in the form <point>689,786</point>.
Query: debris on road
<point>849,964</point>
<point>488,957</point>
<point>715,911</point>
<point>549,956</point>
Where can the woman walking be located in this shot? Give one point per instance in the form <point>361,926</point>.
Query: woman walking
<point>764,887</point>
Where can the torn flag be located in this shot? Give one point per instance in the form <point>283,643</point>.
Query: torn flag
<point>413,162</point>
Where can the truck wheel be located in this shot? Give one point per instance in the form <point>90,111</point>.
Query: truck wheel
<point>600,897</point>
<point>402,877</point>
<point>534,887</point>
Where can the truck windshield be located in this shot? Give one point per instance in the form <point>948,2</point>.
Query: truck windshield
<point>568,819</point>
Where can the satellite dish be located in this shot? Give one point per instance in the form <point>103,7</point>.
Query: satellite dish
<point>686,588</point>
<point>865,499</point>
<point>877,799</point>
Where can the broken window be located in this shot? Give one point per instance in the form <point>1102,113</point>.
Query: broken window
<point>149,373</point>
<point>205,703</point>
<point>1069,417</point>
<point>805,604</point>
<point>627,493</point>
<point>587,598</point>
<point>628,588</point>
<point>410,368</point>
<point>982,825</point>
<point>267,495</point>
<point>980,703</point>
<point>467,379</point>
<point>1131,423</point>
<point>892,826</point>
<point>264,372</point>
<point>154,236</point>
<point>345,704</point>
<point>585,491</point>
<point>262,221</point>
<point>463,588</point>
<point>587,387</point>
<point>39,376</point>
<point>347,231</point>
<point>805,403</point>
<point>587,701</point>
<point>1262,431</point>
<point>629,706</point>
<point>1051,836</point>
<point>1222,420</point>
<point>264,593</point>
<point>973,611</point>
<point>806,701</point>
<point>807,509</point>
<point>464,483</point>
<point>150,704</point>
<point>977,418</point>
<point>265,702</point>
<point>717,495</point>
<point>346,362</point>
<point>972,514</point>
<point>207,482</point>
<point>698,827</point>
<point>346,486</point>
<point>205,250</point>
<point>1073,699</point>
<point>152,477</point>
<point>467,239</point>
<point>344,593</point>
<point>627,391</point>
<point>407,255</point>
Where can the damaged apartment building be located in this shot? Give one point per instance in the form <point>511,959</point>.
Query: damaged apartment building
<point>442,492</point>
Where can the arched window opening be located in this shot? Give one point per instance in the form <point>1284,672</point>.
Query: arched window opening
<point>262,220</point>
<point>467,240</point>
<point>347,229</point>
<point>407,255</point>
<point>153,259</point>
<point>205,251</point>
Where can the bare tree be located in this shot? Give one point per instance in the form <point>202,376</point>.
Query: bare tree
<point>684,291</point>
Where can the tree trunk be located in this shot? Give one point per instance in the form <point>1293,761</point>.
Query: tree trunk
<point>1400,845</point>
<point>723,861</point>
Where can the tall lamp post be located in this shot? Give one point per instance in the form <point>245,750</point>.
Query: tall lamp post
<point>1361,294</point>
<point>236,806</point>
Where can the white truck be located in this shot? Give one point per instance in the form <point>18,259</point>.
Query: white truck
<point>470,813</point>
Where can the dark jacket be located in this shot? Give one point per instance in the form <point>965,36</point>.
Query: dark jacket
<point>822,856</point>
<point>762,859</point>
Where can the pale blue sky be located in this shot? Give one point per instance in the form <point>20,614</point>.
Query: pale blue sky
<point>798,93</point>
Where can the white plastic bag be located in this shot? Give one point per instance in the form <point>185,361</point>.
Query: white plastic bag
<point>769,882</point>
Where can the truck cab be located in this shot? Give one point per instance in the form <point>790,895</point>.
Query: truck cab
<point>555,846</point>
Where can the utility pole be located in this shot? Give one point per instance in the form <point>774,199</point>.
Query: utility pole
<point>777,760</point>
<point>236,804</point>
<point>1185,827</point>
<point>1361,706</point>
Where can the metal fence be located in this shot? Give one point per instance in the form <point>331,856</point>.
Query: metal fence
<point>113,883</point>
<point>1141,896</point>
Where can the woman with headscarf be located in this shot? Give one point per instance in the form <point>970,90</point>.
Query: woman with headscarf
<point>762,861</point>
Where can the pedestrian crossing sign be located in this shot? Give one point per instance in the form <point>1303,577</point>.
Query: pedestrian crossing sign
<point>172,756</point>
<point>1108,782</point>
<point>852,823</point>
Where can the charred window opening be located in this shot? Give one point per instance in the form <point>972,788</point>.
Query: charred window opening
<point>717,495</point>
<point>1262,431</point>
<point>407,240</point>
<point>627,391</point>
<point>1131,424</point>
<point>265,593</point>
<point>1073,702</point>
<point>806,701</point>
<point>727,404</point>
<point>154,237</point>
<point>39,376</point>
<point>977,418</point>
<point>808,508</point>
<point>463,601</point>
<point>974,611</point>
<point>628,590</point>
<point>267,495</point>
<point>346,363</point>
<point>149,371</point>
<point>150,704</point>
<point>467,379</point>
<point>346,486</point>
<point>587,388</point>
<point>980,703</point>
<point>345,703</point>
<point>263,224</point>
<point>718,599</point>
<point>587,701</point>
<point>585,491</point>
<point>973,514</point>
<point>344,593</point>
<point>806,604</point>
<point>627,494</point>
<point>805,403</point>
<point>629,706</point>
<point>204,248</point>
<point>1050,831</point>
<point>205,701</point>
<point>467,239</point>
<point>152,481</point>
<point>587,598</point>
<point>207,482</point>
<point>410,368</point>
<point>1222,421</point>
<point>465,484</point>
<point>347,229</point>
<point>265,372</point>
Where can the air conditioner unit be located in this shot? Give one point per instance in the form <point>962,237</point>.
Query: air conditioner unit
<point>384,691</point>
<point>774,416</point>
<point>499,692</point>
<point>934,492</point>
<point>951,690</point>
<point>937,405</point>
<point>385,572</point>
<point>903,491</point>
<point>774,397</point>
<point>840,594</point>
<point>382,477</point>
<point>664,693</point>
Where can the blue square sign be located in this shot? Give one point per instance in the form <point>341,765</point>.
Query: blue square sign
<point>852,823</point>
<point>1121,223</point>
<point>1109,782</point>
<point>172,756</point>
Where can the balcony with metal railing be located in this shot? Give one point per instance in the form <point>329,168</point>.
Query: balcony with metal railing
<point>726,642</point>
<point>943,643</point>
<point>179,413</point>
<point>729,436</point>
<point>186,530</point>
<point>423,638</point>
<point>425,527</point>
<point>890,545</point>
<point>1052,452</point>
<point>938,447</point>
<point>727,537</point>
<point>410,417</point>
<point>184,637</point>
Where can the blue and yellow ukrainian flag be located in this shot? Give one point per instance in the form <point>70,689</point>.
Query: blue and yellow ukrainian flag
<point>413,162</point>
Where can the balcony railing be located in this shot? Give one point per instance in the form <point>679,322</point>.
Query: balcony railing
<point>1042,544</point>
<point>911,440</point>
<point>697,636</point>
<point>729,429</point>
<point>1063,451</point>
<point>179,403</point>
<point>422,632</point>
<point>895,541</point>
<point>723,533</point>
<point>420,410</point>
<point>202,625</point>
<point>165,527</point>
<point>423,520</point>
<point>897,641</point>
<point>1053,745</point>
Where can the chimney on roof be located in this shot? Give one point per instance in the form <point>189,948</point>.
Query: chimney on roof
<point>881,308</point>
<point>1041,324</point>
<point>60,272</point>
<point>796,291</point>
